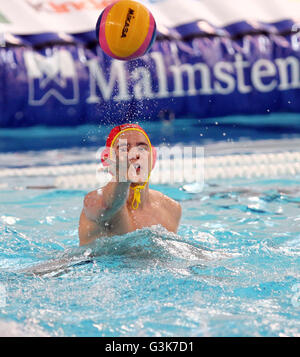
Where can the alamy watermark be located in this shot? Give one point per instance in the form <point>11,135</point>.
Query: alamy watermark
<point>173,164</point>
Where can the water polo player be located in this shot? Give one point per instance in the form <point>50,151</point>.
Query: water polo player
<point>126,203</point>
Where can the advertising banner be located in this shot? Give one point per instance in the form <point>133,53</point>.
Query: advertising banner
<point>211,58</point>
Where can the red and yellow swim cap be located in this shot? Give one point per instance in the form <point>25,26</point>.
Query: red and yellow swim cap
<point>107,153</point>
<point>114,134</point>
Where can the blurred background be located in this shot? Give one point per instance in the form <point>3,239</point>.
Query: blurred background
<point>222,75</point>
<point>218,71</point>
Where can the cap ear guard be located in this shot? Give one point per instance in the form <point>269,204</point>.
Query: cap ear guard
<point>105,155</point>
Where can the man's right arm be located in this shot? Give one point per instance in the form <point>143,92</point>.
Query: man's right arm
<point>102,204</point>
<point>99,207</point>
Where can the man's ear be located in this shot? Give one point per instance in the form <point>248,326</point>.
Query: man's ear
<point>154,156</point>
<point>104,156</point>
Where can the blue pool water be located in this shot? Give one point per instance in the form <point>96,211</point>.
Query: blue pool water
<point>233,269</point>
<point>187,130</point>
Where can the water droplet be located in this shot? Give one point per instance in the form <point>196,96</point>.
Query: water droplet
<point>99,191</point>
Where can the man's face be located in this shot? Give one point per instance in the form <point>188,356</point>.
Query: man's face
<point>133,147</point>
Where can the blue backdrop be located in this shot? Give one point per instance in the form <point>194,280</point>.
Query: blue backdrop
<point>195,71</point>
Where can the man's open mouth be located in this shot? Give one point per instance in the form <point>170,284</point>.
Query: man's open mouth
<point>137,168</point>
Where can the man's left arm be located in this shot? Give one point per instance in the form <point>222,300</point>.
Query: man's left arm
<point>177,214</point>
<point>174,211</point>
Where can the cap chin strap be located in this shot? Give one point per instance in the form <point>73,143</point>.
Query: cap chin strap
<point>136,189</point>
<point>137,194</point>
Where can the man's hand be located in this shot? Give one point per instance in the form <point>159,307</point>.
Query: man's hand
<point>124,171</point>
<point>118,169</point>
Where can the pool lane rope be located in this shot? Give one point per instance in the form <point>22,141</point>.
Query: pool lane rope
<point>267,165</point>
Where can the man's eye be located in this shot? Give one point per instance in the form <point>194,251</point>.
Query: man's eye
<point>142,148</point>
<point>123,148</point>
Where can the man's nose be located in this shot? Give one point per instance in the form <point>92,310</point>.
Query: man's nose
<point>133,154</point>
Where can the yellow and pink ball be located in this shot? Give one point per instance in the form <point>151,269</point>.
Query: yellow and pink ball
<point>126,30</point>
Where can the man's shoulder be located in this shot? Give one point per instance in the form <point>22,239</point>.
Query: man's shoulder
<point>166,202</point>
<point>93,203</point>
<point>92,198</point>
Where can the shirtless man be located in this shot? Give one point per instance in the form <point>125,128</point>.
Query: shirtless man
<point>126,203</point>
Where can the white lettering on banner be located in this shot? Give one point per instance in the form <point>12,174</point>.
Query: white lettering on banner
<point>142,88</point>
<point>265,76</point>
<point>55,76</point>
<point>161,75</point>
<point>263,68</point>
<point>240,65</point>
<point>117,76</point>
<point>221,70</point>
<point>44,71</point>
<point>190,70</point>
<point>282,64</point>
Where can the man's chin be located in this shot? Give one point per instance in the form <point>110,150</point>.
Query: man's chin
<point>139,180</point>
<point>138,177</point>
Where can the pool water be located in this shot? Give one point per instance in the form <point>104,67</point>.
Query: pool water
<point>233,269</point>
<point>181,130</point>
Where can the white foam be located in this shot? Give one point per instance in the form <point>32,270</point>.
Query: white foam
<point>14,329</point>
